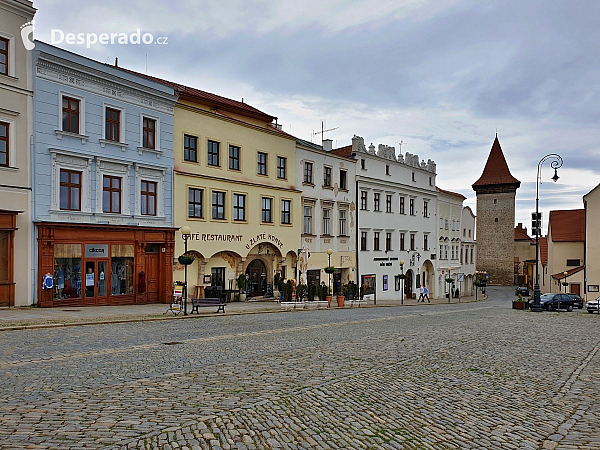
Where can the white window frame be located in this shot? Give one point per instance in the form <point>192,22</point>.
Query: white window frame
<point>59,131</point>
<point>304,216</point>
<point>145,172</point>
<point>121,142</point>
<point>343,230</point>
<point>106,166</point>
<point>141,149</point>
<point>11,54</point>
<point>62,159</point>
<point>327,220</point>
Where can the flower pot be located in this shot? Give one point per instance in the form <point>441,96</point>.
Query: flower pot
<point>185,260</point>
<point>340,301</point>
<point>242,297</point>
<point>328,299</point>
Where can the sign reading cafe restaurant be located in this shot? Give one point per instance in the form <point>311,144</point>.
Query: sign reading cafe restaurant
<point>205,237</point>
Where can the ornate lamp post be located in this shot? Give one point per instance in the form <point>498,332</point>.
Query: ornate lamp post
<point>556,163</point>
<point>448,278</point>
<point>402,281</point>
<point>565,282</point>
<point>185,233</point>
<point>329,253</point>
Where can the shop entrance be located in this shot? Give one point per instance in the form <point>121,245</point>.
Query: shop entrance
<point>408,283</point>
<point>152,266</point>
<point>257,278</point>
<point>95,280</point>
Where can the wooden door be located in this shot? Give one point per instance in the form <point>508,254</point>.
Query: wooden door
<point>576,289</point>
<point>152,276</point>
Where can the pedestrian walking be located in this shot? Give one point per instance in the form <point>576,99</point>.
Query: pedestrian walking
<point>426,294</point>
<point>421,293</point>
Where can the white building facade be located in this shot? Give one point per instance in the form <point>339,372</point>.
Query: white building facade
<point>468,252</point>
<point>327,181</point>
<point>397,204</point>
<point>449,213</point>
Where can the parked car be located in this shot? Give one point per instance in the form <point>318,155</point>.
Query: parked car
<point>578,301</point>
<point>552,302</point>
<point>593,305</point>
<point>523,290</point>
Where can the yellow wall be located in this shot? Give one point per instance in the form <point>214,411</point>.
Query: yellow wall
<point>240,237</point>
<point>558,253</point>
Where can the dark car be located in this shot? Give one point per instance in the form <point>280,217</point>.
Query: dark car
<point>523,290</point>
<point>578,301</point>
<point>552,302</point>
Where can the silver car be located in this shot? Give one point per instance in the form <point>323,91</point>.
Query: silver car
<point>592,306</point>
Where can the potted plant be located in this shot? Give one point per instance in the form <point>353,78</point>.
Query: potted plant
<point>354,291</point>
<point>276,281</point>
<point>341,298</point>
<point>312,291</point>
<point>300,292</point>
<point>241,284</point>
<point>322,292</point>
<point>519,303</point>
<point>186,259</point>
<point>329,270</point>
<point>287,292</point>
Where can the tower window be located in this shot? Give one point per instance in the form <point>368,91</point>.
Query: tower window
<point>495,201</point>
<point>496,219</point>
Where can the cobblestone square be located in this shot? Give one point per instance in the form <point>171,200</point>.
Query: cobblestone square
<point>476,375</point>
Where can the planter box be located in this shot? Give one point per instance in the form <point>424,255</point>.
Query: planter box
<point>355,303</point>
<point>518,305</point>
<point>290,306</point>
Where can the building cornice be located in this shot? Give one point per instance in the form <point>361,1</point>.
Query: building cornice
<point>386,185</point>
<point>237,182</point>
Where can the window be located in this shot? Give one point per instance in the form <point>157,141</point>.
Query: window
<point>4,138</point>
<point>495,201</point>
<point>190,148</point>
<point>376,201</point>
<point>496,220</point>
<point>446,224</point>
<point>363,240</point>
<point>452,249</point>
<point>388,203</point>
<point>413,177</point>
<point>376,241</point>
<point>113,125</point>
<point>472,261</point>
<point>430,181</point>
<point>402,247</point>
<point>342,214</point>
<point>218,205</point>
<point>363,200</point>
<point>4,56</point>
<point>239,207</point>
<point>67,270</point>
<point>234,157</point>
<point>195,203</point>
<point>213,153</point>
<point>111,199</point>
<point>387,169</point>
<point>70,190</point>
<point>308,220</point>
<point>388,241</point>
<point>326,221</point>
<point>343,179</point>
<point>262,163</point>
<point>385,283</point>
<point>573,262</point>
<point>461,256</point>
<point>267,209</point>
<point>362,164</point>
<point>425,203</point>
<point>308,172</point>
<point>70,115</point>
<point>412,206</point>
<point>412,241</point>
<point>281,166</point>
<point>464,232</point>
<point>327,176</point>
<point>402,205</point>
<point>425,243</point>
<point>149,133</point>
<point>286,214</point>
<point>469,233</point>
<point>148,197</point>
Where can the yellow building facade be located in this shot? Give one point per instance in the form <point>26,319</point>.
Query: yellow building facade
<point>235,187</point>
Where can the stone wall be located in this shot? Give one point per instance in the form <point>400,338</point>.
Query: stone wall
<point>495,239</point>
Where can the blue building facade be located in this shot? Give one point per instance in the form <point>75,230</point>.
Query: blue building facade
<point>102,173</point>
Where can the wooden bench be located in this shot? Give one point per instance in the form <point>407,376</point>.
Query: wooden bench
<point>202,302</point>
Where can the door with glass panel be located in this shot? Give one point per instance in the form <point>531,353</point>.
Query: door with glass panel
<point>96,279</point>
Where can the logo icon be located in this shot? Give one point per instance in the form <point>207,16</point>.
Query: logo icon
<point>27,35</point>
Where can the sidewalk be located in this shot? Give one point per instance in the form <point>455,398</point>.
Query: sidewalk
<point>33,317</point>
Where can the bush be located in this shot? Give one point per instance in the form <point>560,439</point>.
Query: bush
<point>287,292</point>
<point>354,290</point>
<point>241,281</point>
<point>312,291</point>
<point>323,292</point>
<point>346,290</point>
<point>300,292</point>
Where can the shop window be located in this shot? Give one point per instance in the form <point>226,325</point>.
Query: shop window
<point>190,148</point>
<point>67,271</point>
<point>4,129</point>
<point>70,190</point>
<point>149,133</point>
<point>217,277</point>
<point>121,269</point>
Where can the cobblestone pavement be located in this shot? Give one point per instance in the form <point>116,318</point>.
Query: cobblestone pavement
<point>476,375</point>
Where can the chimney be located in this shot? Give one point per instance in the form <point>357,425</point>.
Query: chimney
<point>327,145</point>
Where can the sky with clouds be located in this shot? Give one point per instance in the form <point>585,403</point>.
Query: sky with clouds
<point>440,75</point>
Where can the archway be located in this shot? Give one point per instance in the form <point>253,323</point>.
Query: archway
<point>257,278</point>
<point>408,284</point>
<point>428,277</point>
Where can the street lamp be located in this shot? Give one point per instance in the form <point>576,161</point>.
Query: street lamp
<point>448,279</point>
<point>565,282</point>
<point>329,252</point>
<point>476,283</point>
<point>556,163</point>
<point>185,233</point>
<point>402,281</point>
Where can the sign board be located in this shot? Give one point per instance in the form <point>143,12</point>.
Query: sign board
<point>593,288</point>
<point>96,250</point>
<point>460,277</point>
<point>89,279</point>
<point>177,290</point>
<point>487,275</point>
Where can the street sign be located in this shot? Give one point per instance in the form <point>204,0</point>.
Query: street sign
<point>460,277</point>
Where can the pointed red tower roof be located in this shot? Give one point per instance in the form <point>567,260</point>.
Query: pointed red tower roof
<point>496,171</point>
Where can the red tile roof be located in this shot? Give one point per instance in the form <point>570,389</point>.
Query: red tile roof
<point>567,225</point>
<point>343,151</point>
<point>544,250</point>
<point>521,233</point>
<point>455,194</point>
<point>561,275</point>
<point>194,94</point>
<point>496,170</point>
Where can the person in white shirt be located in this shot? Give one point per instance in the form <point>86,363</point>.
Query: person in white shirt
<point>421,293</point>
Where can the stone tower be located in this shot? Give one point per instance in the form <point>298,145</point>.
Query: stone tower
<point>495,190</point>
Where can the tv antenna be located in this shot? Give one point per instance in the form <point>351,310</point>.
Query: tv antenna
<point>323,131</point>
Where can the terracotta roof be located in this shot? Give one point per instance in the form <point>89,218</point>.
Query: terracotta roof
<point>455,194</point>
<point>521,233</point>
<point>561,275</point>
<point>496,170</point>
<point>191,93</point>
<point>343,151</point>
<point>544,250</point>
<point>567,225</point>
